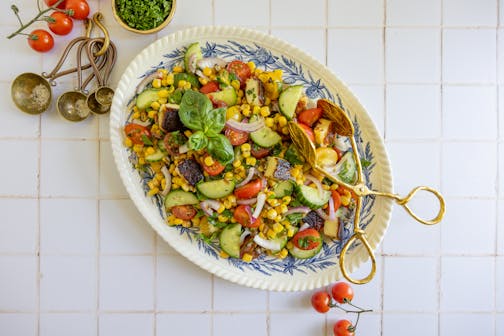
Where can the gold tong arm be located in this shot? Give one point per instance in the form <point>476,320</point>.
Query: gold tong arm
<point>359,234</point>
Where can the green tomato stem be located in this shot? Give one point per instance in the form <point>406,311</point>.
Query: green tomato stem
<point>36,18</point>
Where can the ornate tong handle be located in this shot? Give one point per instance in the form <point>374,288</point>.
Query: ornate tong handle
<point>359,234</point>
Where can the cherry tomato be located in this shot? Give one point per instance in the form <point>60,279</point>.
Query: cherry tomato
<point>185,212</point>
<point>308,131</point>
<point>50,3</point>
<point>259,152</point>
<point>62,25</point>
<point>343,328</point>
<point>321,301</point>
<point>243,215</point>
<point>342,292</point>
<point>80,8</point>
<point>41,40</point>
<point>240,69</point>
<point>136,133</point>
<point>249,190</point>
<point>236,138</point>
<point>310,116</point>
<point>215,169</point>
<point>336,198</point>
<point>308,239</point>
<point>210,87</point>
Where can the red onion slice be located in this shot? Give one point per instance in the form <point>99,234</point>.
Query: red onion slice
<point>332,211</point>
<point>167,176</point>
<point>304,227</point>
<point>244,126</point>
<point>208,206</point>
<point>247,179</point>
<point>261,199</point>
<point>248,201</point>
<point>267,244</point>
<point>300,209</point>
<point>322,214</point>
<point>141,86</point>
<point>210,62</point>
<point>141,123</point>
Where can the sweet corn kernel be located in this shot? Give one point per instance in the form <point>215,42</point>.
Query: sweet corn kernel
<point>162,100</point>
<point>265,111</point>
<point>277,227</point>
<point>169,79</point>
<point>164,82</point>
<point>221,208</point>
<point>152,113</point>
<point>283,208</point>
<point>246,147</point>
<point>285,130</point>
<point>271,214</point>
<point>135,115</point>
<point>246,112</point>
<point>203,81</point>
<point>261,234</point>
<point>251,66</point>
<point>267,101</point>
<point>235,84</point>
<point>251,161</point>
<point>228,176</point>
<point>270,122</point>
<point>164,93</point>
<point>162,72</point>
<point>149,151</point>
<point>127,142</point>
<point>237,163</point>
<point>209,161</point>
<point>223,255</point>
<point>256,109</point>
<point>261,227</point>
<point>273,202</point>
<point>178,221</point>
<point>232,199</point>
<point>181,84</point>
<point>156,83</point>
<point>283,253</point>
<point>246,154</point>
<point>290,232</point>
<point>222,219</point>
<point>258,71</point>
<point>177,69</point>
<point>286,200</point>
<point>271,234</point>
<point>282,121</point>
<point>247,257</point>
<point>239,93</point>
<point>141,161</point>
<point>187,86</point>
<point>196,221</point>
<point>207,71</point>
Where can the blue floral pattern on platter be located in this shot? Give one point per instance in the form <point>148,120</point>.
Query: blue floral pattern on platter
<point>293,73</point>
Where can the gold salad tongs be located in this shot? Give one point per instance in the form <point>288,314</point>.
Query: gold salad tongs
<point>344,127</point>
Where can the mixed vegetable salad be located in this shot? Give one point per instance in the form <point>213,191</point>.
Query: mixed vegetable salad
<point>213,134</point>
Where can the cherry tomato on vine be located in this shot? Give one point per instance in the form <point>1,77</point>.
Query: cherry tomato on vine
<point>50,3</point>
<point>343,328</point>
<point>80,8</point>
<point>62,24</point>
<point>321,301</point>
<point>41,40</point>
<point>342,292</point>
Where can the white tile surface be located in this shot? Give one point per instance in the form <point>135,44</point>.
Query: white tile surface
<point>175,270</point>
<point>466,324</point>
<point>55,126</point>
<point>372,99</point>
<point>307,323</point>
<point>459,106</point>
<point>476,64</point>
<point>413,111</point>
<point>68,226</point>
<point>356,55</point>
<point>232,324</point>
<point>500,227</point>
<point>288,301</point>
<point>26,59</point>
<point>465,272</point>
<point>454,159</point>
<point>227,13</point>
<point>18,227</point>
<point>126,324</point>
<point>413,324</point>
<point>469,227</point>
<point>126,283</point>
<point>67,283</point>
<point>18,324</point>
<point>413,55</point>
<point>499,284</point>
<point>357,13</point>
<point>111,184</point>
<point>16,123</point>
<point>190,324</point>
<point>501,112</point>
<point>310,41</point>
<point>499,325</point>
<point>404,273</point>
<point>18,287</point>
<point>369,323</point>
<point>68,324</point>
<point>123,229</point>
<point>470,12</point>
<point>184,14</point>
<point>413,12</point>
<point>230,297</point>
<point>78,175</point>
<point>500,54</point>
<point>297,12</point>
<point>26,166</point>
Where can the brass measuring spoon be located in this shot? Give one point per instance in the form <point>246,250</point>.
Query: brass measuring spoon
<point>344,127</point>
<point>100,100</point>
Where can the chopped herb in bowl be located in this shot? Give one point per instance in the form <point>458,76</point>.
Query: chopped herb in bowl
<point>143,16</point>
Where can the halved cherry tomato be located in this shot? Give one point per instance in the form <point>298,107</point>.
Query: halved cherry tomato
<point>62,24</point>
<point>243,215</point>
<point>343,328</point>
<point>307,239</point>
<point>240,69</point>
<point>336,198</point>
<point>185,212</point>
<point>136,133</point>
<point>209,87</point>
<point>215,169</point>
<point>80,8</point>
<point>50,3</point>
<point>41,40</point>
<point>308,131</point>
<point>310,116</point>
<point>259,152</point>
<point>236,138</point>
<point>249,190</point>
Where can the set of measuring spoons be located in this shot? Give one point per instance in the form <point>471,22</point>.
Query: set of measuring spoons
<point>32,93</point>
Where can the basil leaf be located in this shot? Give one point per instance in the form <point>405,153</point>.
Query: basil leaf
<point>214,121</point>
<point>193,109</point>
<point>198,141</point>
<point>220,149</point>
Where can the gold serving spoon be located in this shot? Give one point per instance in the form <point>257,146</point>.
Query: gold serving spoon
<point>344,127</point>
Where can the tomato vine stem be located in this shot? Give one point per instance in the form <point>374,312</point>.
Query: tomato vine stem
<point>22,27</point>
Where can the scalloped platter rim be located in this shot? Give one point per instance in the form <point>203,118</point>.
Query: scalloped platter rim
<point>269,53</point>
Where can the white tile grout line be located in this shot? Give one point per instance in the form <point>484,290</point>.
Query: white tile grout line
<point>498,177</point>
<point>38,274</point>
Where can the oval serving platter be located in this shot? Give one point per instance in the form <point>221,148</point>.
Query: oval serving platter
<point>268,53</point>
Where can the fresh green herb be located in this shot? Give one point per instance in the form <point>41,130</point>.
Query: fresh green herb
<point>294,218</point>
<point>146,140</point>
<point>292,155</point>
<point>176,96</point>
<point>221,149</point>
<point>198,141</point>
<point>143,14</point>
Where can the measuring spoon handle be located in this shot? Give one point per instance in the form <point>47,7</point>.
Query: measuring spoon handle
<point>359,234</point>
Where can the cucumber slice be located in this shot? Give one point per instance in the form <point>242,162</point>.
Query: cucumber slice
<point>180,197</point>
<point>283,189</point>
<point>346,168</point>
<point>216,189</point>
<point>230,240</point>
<point>188,77</point>
<point>156,156</point>
<point>228,96</point>
<point>282,241</point>
<point>192,56</point>
<point>310,196</point>
<point>288,100</point>
<point>146,98</point>
<point>265,137</point>
<point>304,254</point>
